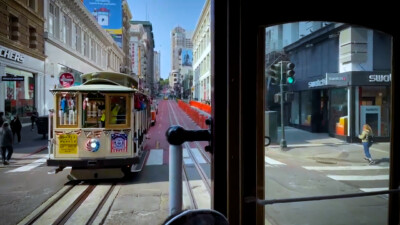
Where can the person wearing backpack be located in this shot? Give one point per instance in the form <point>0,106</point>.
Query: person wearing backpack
<point>366,139</point>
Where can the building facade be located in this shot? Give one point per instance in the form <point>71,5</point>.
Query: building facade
<point>343,76</point>
<point>142,54</point>
<point>157,71</point>
<point>74,44</point>
<point>181,58</point>
<point>22,57</point>
<point>201,88</point>
<point>114,17</point>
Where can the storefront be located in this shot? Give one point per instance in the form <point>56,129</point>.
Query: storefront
<point>18,84</point>
<point>341,103</point>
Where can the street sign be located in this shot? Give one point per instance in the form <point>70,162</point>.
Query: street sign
<point>67,80</point>
<point>12,78</point>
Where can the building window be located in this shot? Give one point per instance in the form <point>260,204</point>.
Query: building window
<point>13,28</point>
<point>338,111</point>
<point>54,20</point>
<point>86,45</point>
<point>375,109</point>
<point>32,38</point>
<point>66,30</point>
<point>32,4</point>
<point>306,108</point>
<point>19,95</point>
<point>78,38</point>
<point>294,118</point>
<point>92,50</point>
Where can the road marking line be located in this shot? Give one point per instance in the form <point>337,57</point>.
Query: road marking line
<point>155,157</point>
<point>373,189</point>
<point>273,161</point>
<point>29,166</point>
<point>345,167</point>
<point>359,178</point>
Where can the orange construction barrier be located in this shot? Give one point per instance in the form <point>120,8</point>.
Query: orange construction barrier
<point>203,107</point>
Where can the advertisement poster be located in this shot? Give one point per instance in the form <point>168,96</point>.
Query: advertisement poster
<point>108,14</point>
<point>68,144</point>
<point>119,143</point>
<point>187,57</point>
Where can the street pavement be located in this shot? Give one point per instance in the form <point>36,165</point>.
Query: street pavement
<point>322,148</point>
<point>146,202</point>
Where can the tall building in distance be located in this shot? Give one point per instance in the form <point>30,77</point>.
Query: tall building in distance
<point>142,54</point>
<point>201,87</point>
<point>156,69</point>
<point>180,43</point>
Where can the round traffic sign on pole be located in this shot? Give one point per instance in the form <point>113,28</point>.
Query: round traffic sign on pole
<point>67,79</point>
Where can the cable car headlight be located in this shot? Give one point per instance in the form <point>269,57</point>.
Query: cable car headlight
<point>93,145</point>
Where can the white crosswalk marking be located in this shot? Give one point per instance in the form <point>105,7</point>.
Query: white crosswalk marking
<point>373,189</point>
<point>345,167</point>
<point>29,166</point>
<point>359,178</point>
<point>356,176</point>
<point>155,157</point>
<point>273,161</point>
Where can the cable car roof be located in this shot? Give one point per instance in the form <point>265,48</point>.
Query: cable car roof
<point>96,87</point>
<point>111,77</point>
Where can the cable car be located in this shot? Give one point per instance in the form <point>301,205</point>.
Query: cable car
<point>99,126</point>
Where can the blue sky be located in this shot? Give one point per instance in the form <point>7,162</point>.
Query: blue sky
<point>164,16</point>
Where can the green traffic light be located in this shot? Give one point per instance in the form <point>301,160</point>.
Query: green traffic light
<point>290,80</point>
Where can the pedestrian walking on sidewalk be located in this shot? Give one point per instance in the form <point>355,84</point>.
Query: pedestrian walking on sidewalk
<point>34,117</point>
<point>16,127</point>
<point>6,141</point>
<point>366,139</point>
<point>1,119</point>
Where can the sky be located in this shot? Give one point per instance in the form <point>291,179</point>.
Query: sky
<point>164,15</point>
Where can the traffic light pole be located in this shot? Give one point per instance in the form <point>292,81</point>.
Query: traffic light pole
<point>283,141</point>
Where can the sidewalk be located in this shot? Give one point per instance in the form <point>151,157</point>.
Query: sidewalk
<point>325,149</point>
<point>31,141</point>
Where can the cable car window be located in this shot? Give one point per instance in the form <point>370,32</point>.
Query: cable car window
<point>117,112</point>
<point>93,106</point>
<point>67,115</point>
<point>327,95</point>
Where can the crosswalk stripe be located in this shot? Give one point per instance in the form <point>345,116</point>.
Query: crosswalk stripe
<point>29,166</point>
<point>373,189</point>
<point>359,178</point>
<point>273,161</point>
<point>199,157</point>
<point>155,157</point>
<point>345,167</point>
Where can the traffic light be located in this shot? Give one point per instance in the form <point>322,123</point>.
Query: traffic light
<point>290,73</point>
<point>274,72</point>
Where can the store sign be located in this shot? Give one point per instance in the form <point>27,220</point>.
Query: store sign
<point>380,78</point>
<point>317,83</point>
<point>337,79</point>
<point>12,78</point>
<point>67,80</point>
<point>11,55</point>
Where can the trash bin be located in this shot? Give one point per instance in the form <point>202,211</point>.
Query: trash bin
<point>42,123</point>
